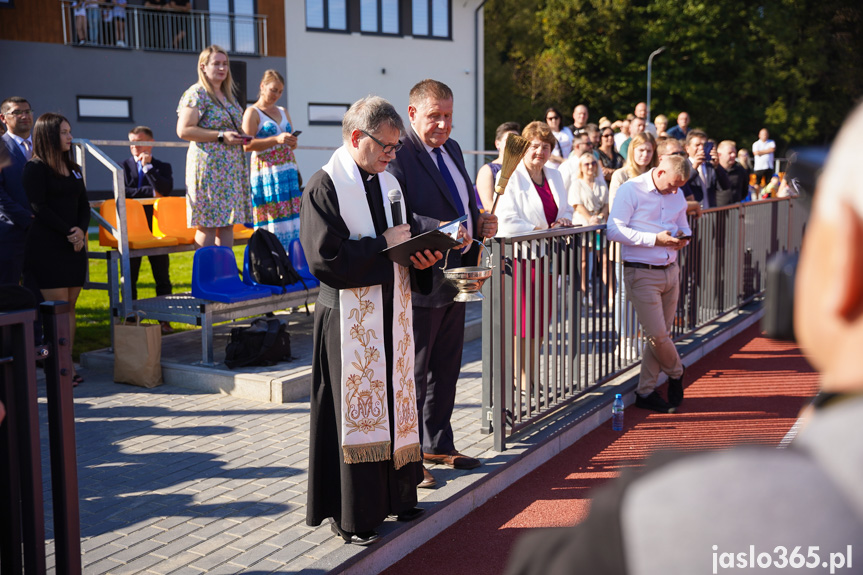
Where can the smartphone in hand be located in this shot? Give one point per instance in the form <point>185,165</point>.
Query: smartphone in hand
<point>246,138</point>
<point>297,133</point>
<point>708,148</point>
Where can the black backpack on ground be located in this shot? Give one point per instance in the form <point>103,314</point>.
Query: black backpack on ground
<point>269,264</point>
<point>265,342</point>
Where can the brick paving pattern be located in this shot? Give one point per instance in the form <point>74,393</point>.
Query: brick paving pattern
<point>178,482</point>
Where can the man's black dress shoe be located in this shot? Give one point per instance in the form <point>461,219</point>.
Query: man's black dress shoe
<point>653,401</point>
<point>364,538</point>
<point>410,514</point>
<point>675,390</point>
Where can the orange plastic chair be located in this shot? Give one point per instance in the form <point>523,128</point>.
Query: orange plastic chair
<point>169,220</point>
<point>137,229</point>
<point>241,232</point>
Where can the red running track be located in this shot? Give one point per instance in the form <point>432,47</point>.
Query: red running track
<point>750,390</point>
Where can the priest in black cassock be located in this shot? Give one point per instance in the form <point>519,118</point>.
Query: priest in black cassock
<point>365,459</point>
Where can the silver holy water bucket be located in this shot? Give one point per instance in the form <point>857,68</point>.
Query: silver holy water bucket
<point>468,280</point>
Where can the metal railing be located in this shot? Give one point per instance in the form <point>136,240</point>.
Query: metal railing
<point>120,292</point>
<point>140,28</point>
<point>557,323</point>
<point>22,521</point>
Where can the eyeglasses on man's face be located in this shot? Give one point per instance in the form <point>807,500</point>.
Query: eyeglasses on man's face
<point>19,113</point>
<point>388,148</point>
<point>550,118</point>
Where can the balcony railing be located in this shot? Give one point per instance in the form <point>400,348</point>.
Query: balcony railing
<point>140,28</point>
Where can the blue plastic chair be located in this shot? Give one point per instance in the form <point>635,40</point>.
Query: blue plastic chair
<point>215,277</point>
<point>298,258</point>
<point>250,281</point>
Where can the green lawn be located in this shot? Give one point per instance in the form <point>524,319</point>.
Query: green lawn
<point>93,309</point>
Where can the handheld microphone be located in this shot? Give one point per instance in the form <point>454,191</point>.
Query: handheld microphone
<point>395,197</point>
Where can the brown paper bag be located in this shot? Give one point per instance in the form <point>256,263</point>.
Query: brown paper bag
<point>138,354</point>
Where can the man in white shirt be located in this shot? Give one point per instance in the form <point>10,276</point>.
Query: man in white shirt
<point>763,150</point>
<point>649,213</point>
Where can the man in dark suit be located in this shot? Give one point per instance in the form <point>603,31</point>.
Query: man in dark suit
<point>738,177</point>
<point>15,213</point>
<point>705,181</point>
<point>681,130</point>
<point>147,177</point>
<point>431,171</point>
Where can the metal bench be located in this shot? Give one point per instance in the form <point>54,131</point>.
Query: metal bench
<point>184,308</point>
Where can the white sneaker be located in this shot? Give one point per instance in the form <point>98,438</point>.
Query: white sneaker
<point>121,44</point>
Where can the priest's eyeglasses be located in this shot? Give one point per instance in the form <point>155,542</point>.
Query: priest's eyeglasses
<point>388,148</point>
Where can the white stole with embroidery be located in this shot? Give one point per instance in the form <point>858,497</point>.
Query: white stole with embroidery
<point>365,418</point>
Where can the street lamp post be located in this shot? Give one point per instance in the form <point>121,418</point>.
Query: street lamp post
<point>649,65</point>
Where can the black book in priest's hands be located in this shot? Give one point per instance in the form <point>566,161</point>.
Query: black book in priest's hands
<point>440,239</point>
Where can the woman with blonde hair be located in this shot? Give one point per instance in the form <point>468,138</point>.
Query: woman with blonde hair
<point>589,196</point>
<point>641,158</point>
<point>217,177</point>
<point>274,174</point>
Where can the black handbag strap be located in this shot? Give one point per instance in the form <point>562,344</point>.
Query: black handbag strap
<point>273,326</point>
<point>228,112</point>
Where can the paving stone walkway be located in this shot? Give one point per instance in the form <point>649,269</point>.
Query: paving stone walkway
<point>178,482</point>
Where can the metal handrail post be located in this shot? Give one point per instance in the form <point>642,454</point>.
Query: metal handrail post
<point>121,231</point>
<point>63,8</point>
<point>137,26</point>
<point>20,438</point>
<point>502,382</point>
<point>204,41</point>
<point>61,429</point>
<point>489,305</point>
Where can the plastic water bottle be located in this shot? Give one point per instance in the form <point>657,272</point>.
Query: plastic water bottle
<point>617,413</point>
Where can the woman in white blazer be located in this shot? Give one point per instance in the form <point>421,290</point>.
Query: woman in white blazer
<point>535,199</point>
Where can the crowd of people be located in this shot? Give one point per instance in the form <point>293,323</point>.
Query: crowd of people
<point>575,175</point>
<point>388,338</point>
<point>368,445</point>
<point>723,173</point>
<point>45,214</point>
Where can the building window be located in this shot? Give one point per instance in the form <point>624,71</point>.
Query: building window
<point>431,18</point>
<point>327,15</point>
<point>379,16</point>
<point>105,109</point>
<point>232,25</point>
<point>327,114</point>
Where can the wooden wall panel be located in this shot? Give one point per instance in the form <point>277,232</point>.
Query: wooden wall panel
<point>274,10</point>
<point>35,21</point>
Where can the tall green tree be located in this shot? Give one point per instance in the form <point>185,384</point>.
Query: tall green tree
<point>794,66</point>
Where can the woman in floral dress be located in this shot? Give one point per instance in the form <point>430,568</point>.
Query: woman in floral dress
<point>275,181</point>
<point>217,177</point>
